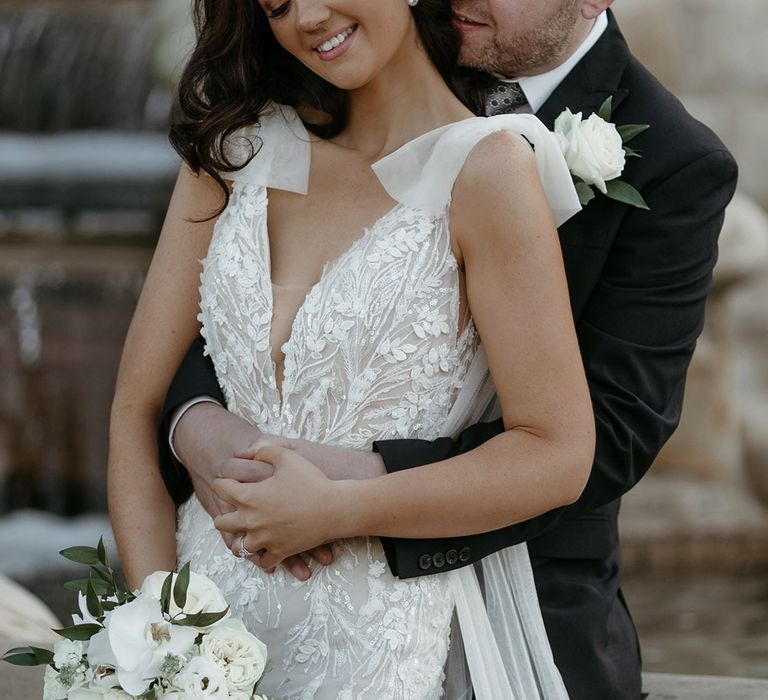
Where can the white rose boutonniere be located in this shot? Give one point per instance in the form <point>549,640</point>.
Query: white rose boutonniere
<point>596,154</point>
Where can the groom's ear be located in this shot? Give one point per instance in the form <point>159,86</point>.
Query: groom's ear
<point>592,8</point>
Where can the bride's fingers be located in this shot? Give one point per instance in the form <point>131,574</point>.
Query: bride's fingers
<point>269,560</point>
<point>230,522</point>
<point>245,470</point>
<point>228,490</point>
<point>252,449</point>
<point>273,454</point>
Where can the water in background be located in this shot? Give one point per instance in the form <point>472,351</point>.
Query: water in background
<point>85,175</point>
<point>79,65</point>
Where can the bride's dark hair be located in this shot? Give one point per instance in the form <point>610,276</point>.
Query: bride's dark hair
<point>238,68</point>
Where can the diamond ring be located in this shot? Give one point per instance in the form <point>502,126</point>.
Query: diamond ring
<point>243,552</point>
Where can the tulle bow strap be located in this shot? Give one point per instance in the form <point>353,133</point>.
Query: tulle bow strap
<point>421,173</point>
<point>282,149</point>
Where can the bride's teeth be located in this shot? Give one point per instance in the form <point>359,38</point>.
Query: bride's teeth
<point>335,41</point>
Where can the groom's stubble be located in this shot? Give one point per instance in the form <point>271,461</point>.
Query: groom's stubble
<point>524,37</point>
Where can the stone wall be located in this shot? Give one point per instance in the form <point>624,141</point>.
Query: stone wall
<point>714,56</point>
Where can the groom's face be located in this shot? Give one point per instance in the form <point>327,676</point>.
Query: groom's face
<point>516,37</point>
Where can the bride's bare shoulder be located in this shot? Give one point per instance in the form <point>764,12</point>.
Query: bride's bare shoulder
<point>498,193</point>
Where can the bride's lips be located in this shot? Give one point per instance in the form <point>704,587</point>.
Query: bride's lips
<point>466,24</point>
<point>348,35</point>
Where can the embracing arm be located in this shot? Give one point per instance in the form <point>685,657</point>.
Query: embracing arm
<point>636,334</point>
<point>539,462</point>
<point>163,326</point>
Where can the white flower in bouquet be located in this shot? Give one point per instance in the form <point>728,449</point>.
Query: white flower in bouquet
<point>202,679</point>
<point>203,595</point>
<point>241,655</point>
<point>85,617</point>
<point>593,148</point>
<point>68,653</point>
<point>53,688</point>
<point>140,638</point>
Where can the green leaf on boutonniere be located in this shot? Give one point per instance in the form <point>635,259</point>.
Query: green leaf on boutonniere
<point>585,193</point>
<point>28,656</point>
<point>181,586</point>
<point>79,633</point>
<point>632,153</point>
<point>606,109</point>
<point>629,131</point>
<point>625,193</point>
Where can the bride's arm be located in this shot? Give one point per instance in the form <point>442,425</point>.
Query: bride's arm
<point>163,326</point>
<point>517,291</point>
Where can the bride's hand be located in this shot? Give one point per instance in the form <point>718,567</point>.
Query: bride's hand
<point>291,512</point>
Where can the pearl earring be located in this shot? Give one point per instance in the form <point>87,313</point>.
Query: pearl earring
<point>413,3</point>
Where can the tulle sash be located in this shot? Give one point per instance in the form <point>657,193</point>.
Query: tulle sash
<point>501,650</point>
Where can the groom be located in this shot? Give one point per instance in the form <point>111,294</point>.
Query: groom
<point>638,281</point>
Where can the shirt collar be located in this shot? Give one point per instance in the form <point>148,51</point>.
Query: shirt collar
<point>538,88</point>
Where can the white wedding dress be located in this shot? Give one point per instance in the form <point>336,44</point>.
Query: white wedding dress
<point>374,353</point>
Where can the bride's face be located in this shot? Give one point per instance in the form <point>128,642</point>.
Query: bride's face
<point>347,42</point>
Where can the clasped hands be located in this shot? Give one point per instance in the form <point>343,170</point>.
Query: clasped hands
<point>263,483</point>
<point>288,512</point>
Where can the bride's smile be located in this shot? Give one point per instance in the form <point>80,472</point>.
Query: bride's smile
<point>346,42</point>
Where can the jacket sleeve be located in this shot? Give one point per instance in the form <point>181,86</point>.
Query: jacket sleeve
<point>636,334</point>
<point>195,377</point>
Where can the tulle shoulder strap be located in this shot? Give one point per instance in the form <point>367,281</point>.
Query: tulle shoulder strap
<point>421,173</point>
<point>282,147</point>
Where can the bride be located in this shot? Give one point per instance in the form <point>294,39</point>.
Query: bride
<point>372,254</point>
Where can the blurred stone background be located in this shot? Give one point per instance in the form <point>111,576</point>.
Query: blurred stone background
<point>85,174</point>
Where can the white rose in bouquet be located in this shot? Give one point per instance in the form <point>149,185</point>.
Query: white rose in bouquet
<point>203,595</point>
<point>593,148</point>
<point>201,679</point>
<point>242,656</point>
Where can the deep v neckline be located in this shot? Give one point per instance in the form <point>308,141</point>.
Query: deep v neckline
<point>328,268</point>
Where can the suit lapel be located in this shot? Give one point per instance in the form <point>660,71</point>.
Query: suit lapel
<point>595,78</point>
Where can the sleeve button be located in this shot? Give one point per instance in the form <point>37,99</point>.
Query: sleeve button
<point>438,559</point>
<point>451,557</point>
<point>425,562</point>
<point>464,555</point>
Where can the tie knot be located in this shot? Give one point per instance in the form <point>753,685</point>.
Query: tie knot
<point>504,98</point>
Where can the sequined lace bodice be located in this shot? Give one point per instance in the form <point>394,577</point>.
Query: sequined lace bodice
<point>374,350</point>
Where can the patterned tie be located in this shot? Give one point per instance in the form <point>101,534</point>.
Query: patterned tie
<point>504,98</point>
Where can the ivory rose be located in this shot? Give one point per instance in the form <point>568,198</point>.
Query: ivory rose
<point>592,148</point>
<point>242,656</point>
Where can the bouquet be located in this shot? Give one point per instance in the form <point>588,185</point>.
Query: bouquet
<point>172,639</point>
